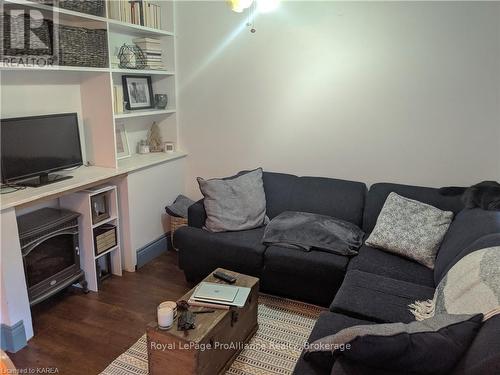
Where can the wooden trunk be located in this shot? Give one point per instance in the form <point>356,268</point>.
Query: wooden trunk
<point>212,346</point>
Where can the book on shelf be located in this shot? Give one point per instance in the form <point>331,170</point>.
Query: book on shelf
<point>139,12</point>
<point>118,96</point>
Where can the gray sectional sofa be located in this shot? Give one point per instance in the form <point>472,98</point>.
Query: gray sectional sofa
<point>372,287</point>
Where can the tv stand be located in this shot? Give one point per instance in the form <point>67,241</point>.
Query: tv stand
<point>43,179</point>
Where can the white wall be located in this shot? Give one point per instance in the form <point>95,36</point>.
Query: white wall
<point>160,185</point>
<point>398,91</point>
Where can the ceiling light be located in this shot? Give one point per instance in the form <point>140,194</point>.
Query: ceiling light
<point>239,6</point>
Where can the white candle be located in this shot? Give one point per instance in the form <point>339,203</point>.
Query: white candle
<point>165,317</point>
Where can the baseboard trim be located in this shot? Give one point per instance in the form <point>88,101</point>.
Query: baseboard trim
<point>153,249</point>
<point>13,338</point>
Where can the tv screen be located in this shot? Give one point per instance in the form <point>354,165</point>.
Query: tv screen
<point>33,146</point>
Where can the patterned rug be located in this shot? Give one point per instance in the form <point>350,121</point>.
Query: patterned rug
<point>284,326</point>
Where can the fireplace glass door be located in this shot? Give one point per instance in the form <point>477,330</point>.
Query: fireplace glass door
<point>50,257</point>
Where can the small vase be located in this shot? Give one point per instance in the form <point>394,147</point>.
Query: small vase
<point>161,101</point>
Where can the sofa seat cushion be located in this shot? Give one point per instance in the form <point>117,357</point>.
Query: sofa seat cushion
<point>313,276</point>
<point>201,252</point>
<point>373,297</point>
<point>389,265</point>
<point>327,324</point>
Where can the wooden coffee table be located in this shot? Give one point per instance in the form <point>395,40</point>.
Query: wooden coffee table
<point>215,342</point>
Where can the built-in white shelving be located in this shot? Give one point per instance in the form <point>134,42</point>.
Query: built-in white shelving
<point>89,90</point>
<point>70,15</point>
<point>123,27</point>
<point>141,113</point>
<point>76,69</point>
<point>143,71</point>
<point>81,202</point>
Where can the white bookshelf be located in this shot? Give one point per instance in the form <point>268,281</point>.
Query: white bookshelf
<point>89,91</point>
<point>81,202</point>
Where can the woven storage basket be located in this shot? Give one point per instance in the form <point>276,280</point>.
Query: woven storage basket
<point>79,46</point>
<point>95,7</point>
<point>176,223</point>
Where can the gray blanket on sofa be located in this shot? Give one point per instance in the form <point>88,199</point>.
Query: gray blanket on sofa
<point>302,230</point>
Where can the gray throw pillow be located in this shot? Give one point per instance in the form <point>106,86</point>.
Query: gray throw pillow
<point>432,346</point>
<point>411,229</point>
<point>234,203</point>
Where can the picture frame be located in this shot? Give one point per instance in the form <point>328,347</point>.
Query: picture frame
<point>100,208</point>
<point>122,146</point>
<point>137,92</point>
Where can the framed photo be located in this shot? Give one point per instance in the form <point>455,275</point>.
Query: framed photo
<point>138,92</point>
<point>99,205</point>
<point>122,147</point>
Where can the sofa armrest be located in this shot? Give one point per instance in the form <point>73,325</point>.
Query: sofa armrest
<point>197,214</point>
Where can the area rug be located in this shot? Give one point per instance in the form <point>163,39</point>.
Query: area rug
<point>284,326</point>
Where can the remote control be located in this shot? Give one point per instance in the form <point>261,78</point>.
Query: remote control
<point>224,277</point>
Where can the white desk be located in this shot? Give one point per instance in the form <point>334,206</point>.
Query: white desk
<point>84,177</point>
<point>14,300</point>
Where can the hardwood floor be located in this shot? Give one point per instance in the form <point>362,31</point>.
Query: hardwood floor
<point>82,333</point>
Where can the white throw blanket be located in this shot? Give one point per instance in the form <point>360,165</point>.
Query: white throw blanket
<point>471,286</point>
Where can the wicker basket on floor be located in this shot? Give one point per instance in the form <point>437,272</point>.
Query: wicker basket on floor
<point>175,223</point>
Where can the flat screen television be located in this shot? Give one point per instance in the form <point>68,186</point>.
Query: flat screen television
<point>33,147</point>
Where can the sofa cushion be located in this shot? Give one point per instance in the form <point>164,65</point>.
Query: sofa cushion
<point>434,345</point>
<point>392,266</point>
<point>483,355</point>
<point>378,194</point>
<point>328,196</point>
<point>201,252</point>
<point>279,190</point>
<point>313,276</point>
<point>327,324</point>
<point>235,203</point>
<point>468,226</point>
<point>410,228</point>
<point>378,298</point>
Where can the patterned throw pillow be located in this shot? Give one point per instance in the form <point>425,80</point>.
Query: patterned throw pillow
<point>410,228</point>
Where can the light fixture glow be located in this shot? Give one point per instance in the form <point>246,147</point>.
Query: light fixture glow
<point>266,6</point>
<point>239,6</point>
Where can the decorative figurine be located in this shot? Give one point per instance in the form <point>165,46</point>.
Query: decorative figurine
<point>154,139</point>
<point>131,57</point>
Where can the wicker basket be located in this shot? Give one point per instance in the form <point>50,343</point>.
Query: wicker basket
<point>176,223</point>
<point>79,46</point>
<point>94,7</point>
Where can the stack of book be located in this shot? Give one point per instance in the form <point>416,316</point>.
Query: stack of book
<point>139,12</point>
<point>152,51</point>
